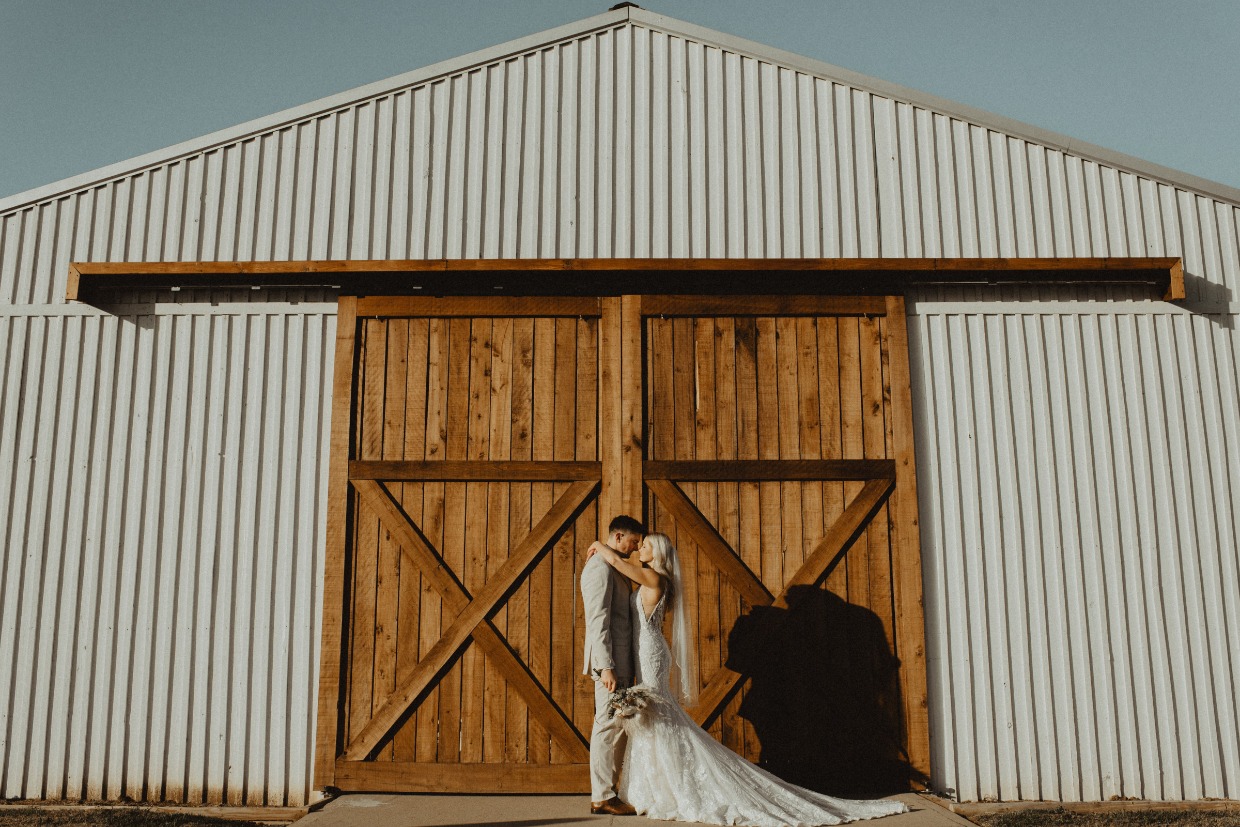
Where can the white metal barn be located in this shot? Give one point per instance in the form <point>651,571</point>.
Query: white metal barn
<point>164,453</point>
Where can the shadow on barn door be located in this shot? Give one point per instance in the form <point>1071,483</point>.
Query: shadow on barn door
<point>778,458</point>
<point>824,695</point>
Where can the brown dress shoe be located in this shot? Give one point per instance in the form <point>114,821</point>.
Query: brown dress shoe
<point>612,806</point>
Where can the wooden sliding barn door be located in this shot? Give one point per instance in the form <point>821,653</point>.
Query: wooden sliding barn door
<point>779,458</point>
<point>479,444</point>
<point>465,477</point>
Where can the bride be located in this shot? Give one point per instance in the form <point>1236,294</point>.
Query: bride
<point>673,769</point>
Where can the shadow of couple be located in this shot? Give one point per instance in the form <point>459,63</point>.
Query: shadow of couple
<point>824,695</point>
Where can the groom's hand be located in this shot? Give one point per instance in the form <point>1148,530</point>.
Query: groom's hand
<point>608,679</point>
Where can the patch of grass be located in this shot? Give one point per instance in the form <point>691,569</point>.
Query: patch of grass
<point>18,816</point>
<point>1060,817</point>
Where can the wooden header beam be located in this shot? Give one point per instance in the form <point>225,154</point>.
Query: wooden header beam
<point>616,276</point>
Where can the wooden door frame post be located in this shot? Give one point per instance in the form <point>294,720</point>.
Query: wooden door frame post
<point>610,392</point>
<point>906,557</point>
<point>331,671</point>
<point>632,406</point>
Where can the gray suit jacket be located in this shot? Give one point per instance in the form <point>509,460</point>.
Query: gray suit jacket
<point>609,640</point>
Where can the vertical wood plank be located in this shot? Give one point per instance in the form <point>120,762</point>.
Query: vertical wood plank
<point>874,436</point>
<point>632,435</point>
<point>683,410</point>
<point>454,525</point>
<point>541,498</point>
<point>661,413</point>
<point>829,420</point>
<point>588,368</point>
<point>351,541</point>
<point>610,408</point>
<point>326,744</point>
<point>660,426</point>
<point>563,586</point>
<point>852,443</point>
<point>728,503</point>
<point>906,545</point>
<point>748,493</point>
<point>810,436</point>
<point>373,375</point>
<point>770,521</point>
<point>411,498</point>
<point>789,442</point>
<point>478,417</point>
<point>657,393</point>
<point>518,734</point>
<point>495,728</point>
<point>684,393</point>
<point>705,448</point>
<point>366,535</point>
<point>436,441</point>
<point>387,575</point>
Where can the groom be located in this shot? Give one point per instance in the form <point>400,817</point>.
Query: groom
<point>609,660</point>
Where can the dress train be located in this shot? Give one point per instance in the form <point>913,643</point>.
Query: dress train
<point>674,770</point>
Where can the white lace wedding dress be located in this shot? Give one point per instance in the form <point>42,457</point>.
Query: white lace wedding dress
<point>674,770</point>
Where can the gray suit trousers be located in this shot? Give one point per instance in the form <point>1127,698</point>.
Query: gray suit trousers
<point>607,743</point>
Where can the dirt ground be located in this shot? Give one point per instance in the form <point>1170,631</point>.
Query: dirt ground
<point>61,816</point>
<point>1059,817</point>
<point>69,816</point>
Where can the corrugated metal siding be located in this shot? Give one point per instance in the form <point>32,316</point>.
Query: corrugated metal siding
<point>161,507</point>
<point>1080,472</point>
<point>623,141</point>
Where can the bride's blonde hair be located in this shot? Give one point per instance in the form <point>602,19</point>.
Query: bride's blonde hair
<point>663,560</point>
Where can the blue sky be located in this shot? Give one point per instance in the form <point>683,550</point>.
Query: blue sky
<point>91,82</point>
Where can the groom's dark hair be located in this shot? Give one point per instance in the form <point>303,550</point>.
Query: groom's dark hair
<point>624,522</point>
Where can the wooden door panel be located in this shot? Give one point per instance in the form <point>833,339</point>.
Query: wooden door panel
<point>479,443</point>
<point>704,563</point>
<point>770,461</point>
<point>766,388</point>
<point>476,389</point>
<point>468,597</point>
<point>502,723</point>
<point>471,469</point>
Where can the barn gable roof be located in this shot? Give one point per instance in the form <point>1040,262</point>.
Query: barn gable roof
<point>634,16</point>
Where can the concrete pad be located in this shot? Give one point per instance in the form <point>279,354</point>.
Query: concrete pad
<point>375,810</point>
